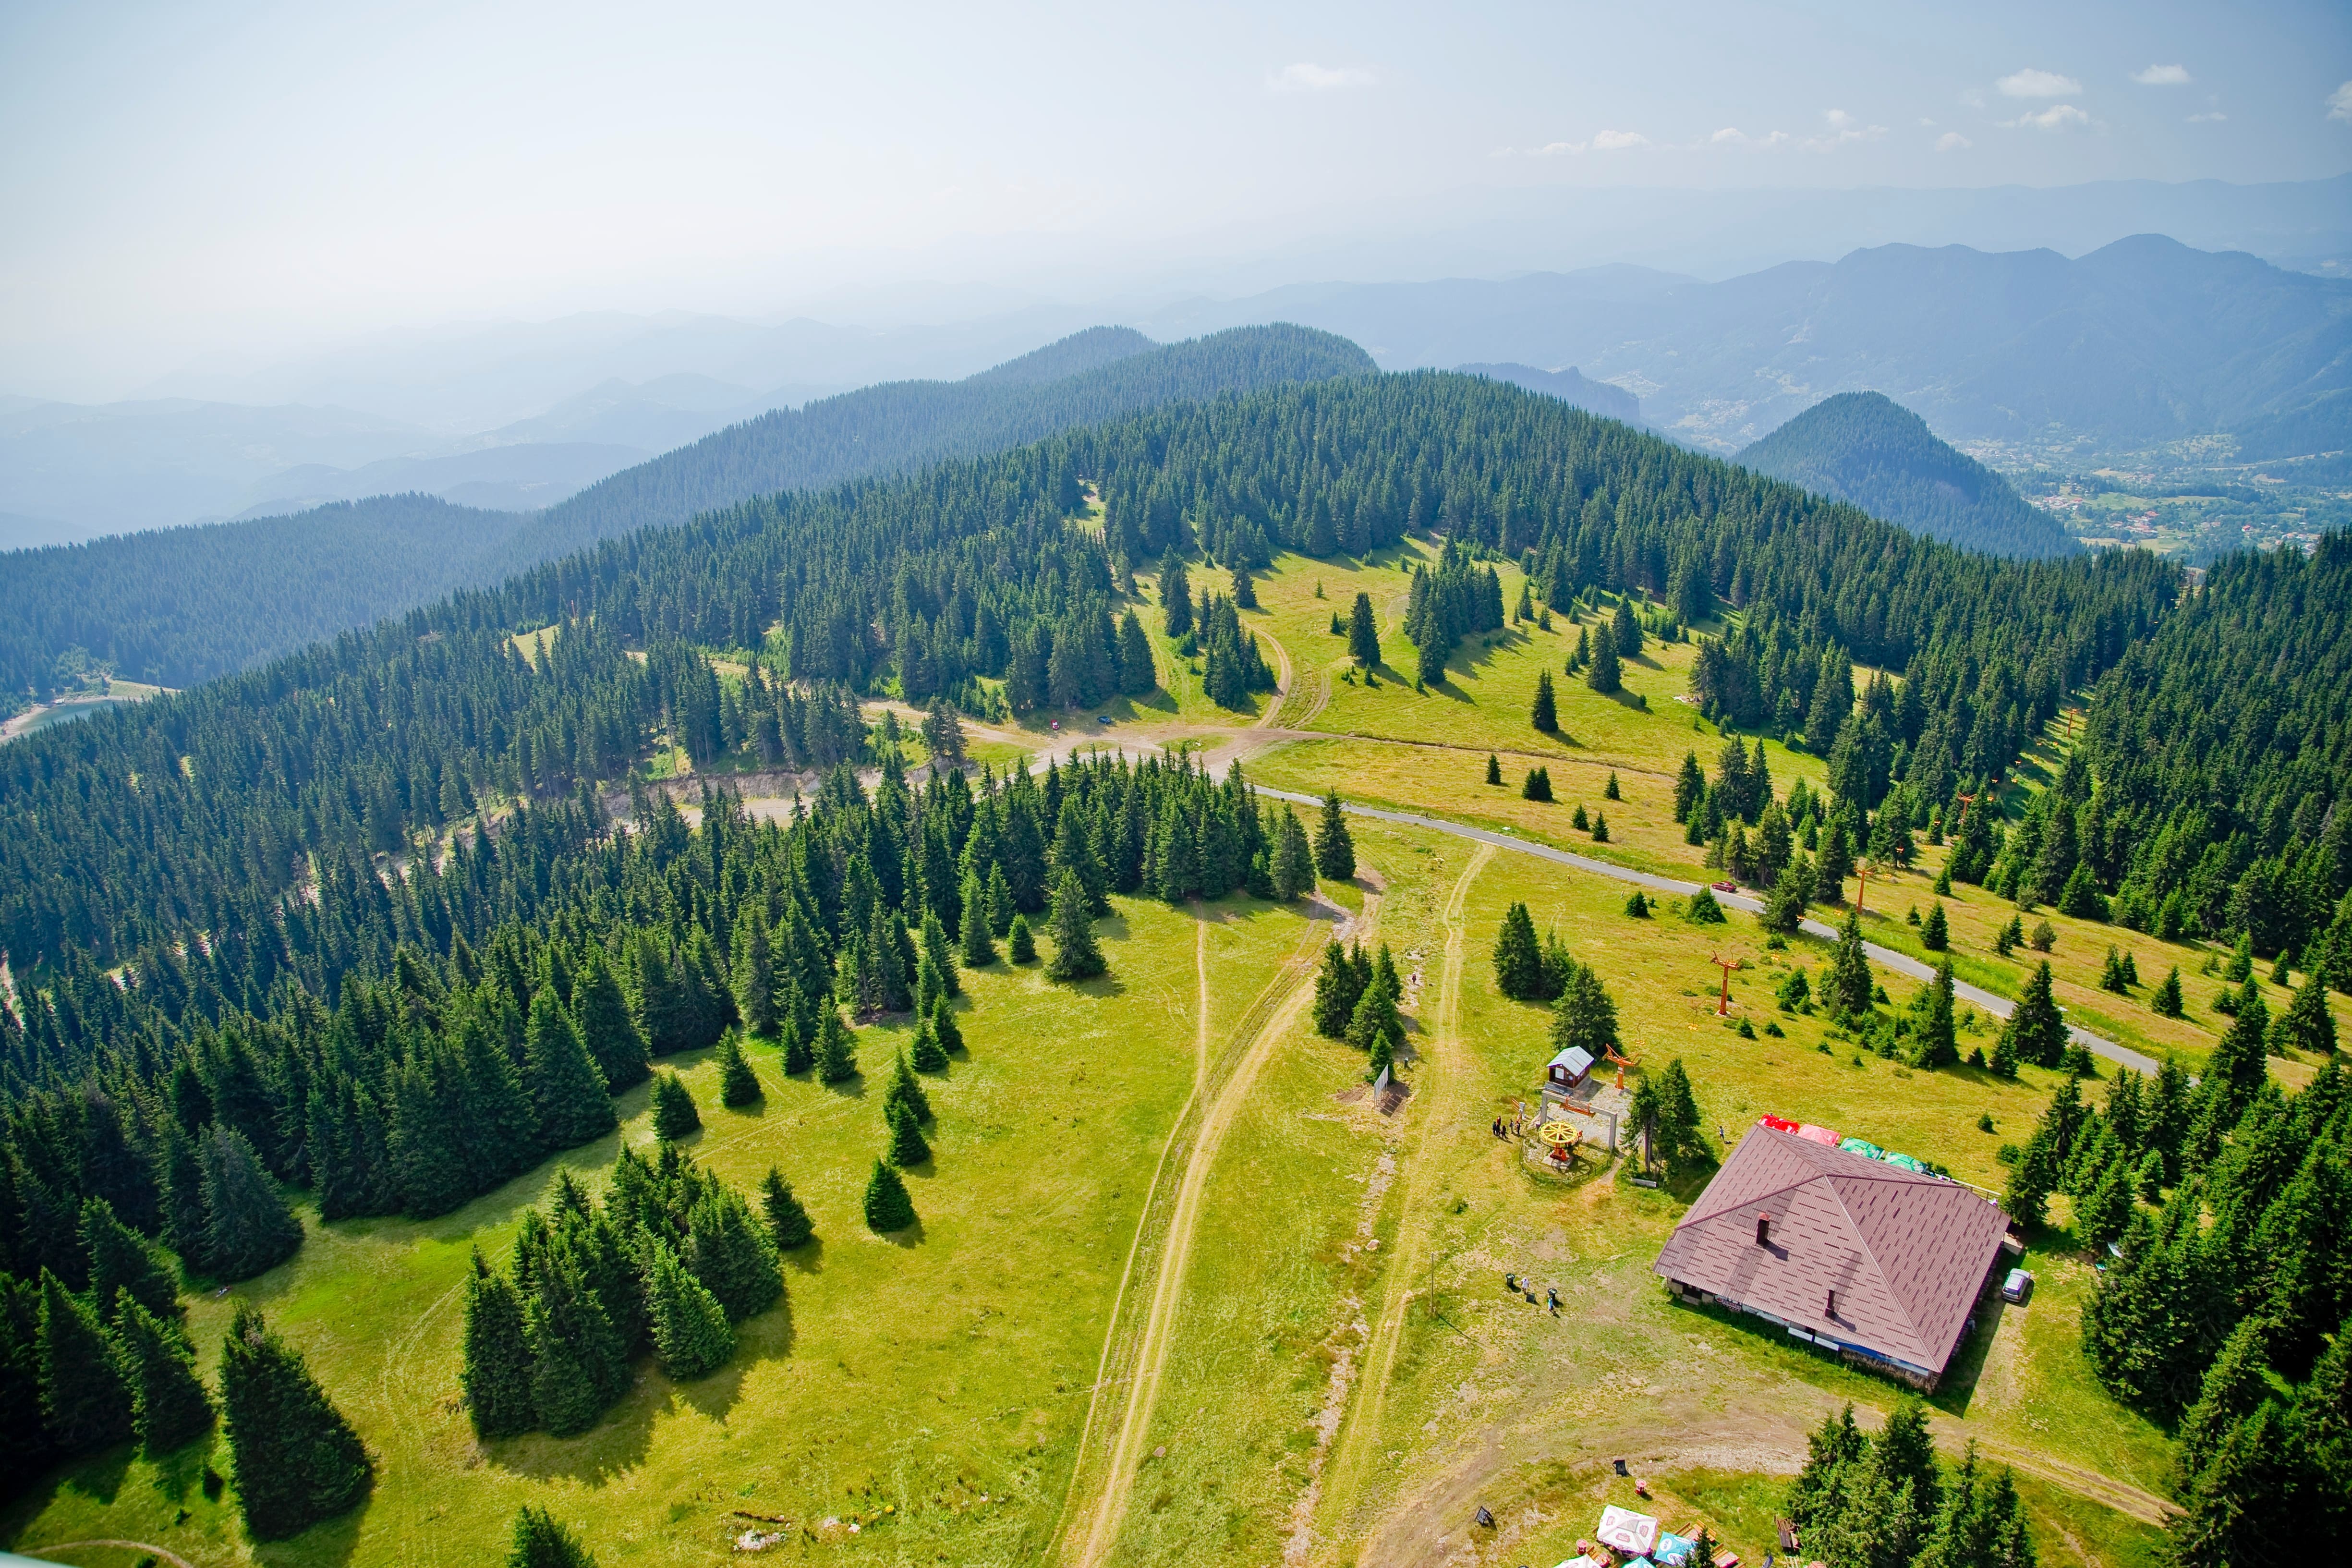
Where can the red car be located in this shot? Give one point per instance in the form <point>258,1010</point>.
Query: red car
<point>1725,887</point>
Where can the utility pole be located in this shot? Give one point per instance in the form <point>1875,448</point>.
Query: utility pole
<point>1723,1001</point>
<point>1862,887</point>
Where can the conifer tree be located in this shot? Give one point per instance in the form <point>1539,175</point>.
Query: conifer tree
<point>689,1328</point>
<point>2236,1068</point>
<point>906,1146</point>
<point>1335,849</point>
<point>1610,791</point>
<point>84,1400</point>
<point>1375,1018</point>
<point>298,1460</point>
<point>2306,1025</point>
<point>731,1253</point>
<point>122,1260</point>
<point>943,1026</point>
<point>2036,1032</point>
<point>1336,991</point>
<point>168,1403</point>
<point>888,1207</point>
<point>541,1542</point>
<point>674,1115</point>
<point>754,976</point>
<point>2107,1206</point>
<point>788,1219</point>
<point>1545,713</point>
<point>738,1084</point>
<point>497,1369</point>
<point>979,950</point>
<point>1537,786</point>
<point>180,1181</point>
<point>928,1053</point>
<point>1628,627</point>
<point>1494,768</point>
<point>1076,956</point>
<point>837,1051</point>
<point>1601,828</point>
<point>906,1089</point>
<point>1294,859</point>
<point>600,1010</point>
<point>1850,984</point>
<point>1934,1041</point>
<point>1605,674</point>
<point>1020,946</point>
<point>1586,1018</point>
<point>1637,905</point>
<point>1175,596</point>
<point>1364,634</point>
<point>1519,960</point>
<point>567,1088</point>
<point>941,957</point>
<point>249,1229</point>
<point>1935,930</point>
<point>576,1354</point>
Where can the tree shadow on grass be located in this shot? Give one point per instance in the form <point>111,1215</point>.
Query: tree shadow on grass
<point>908,1239</point>
<point>808,1258</point>
<point>1102,986</point>
<point>716,1394</point>
<point>617,1443</point>
<point>329,1540</point>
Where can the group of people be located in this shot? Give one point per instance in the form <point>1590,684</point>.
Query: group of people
<point>1519,1287</point>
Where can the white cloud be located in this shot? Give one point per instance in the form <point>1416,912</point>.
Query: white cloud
<point>1618,140</point>
<point>1952,141</point>
<point>1306,76</point>
<point>2211,117</point>
<point>2058,117</point>
<point>2033,83</point>
<point>1843,128</point>
<point>1972,98</point>
<point>2162,76</point>
<point>1732,136</point>
<point>2339,103</point>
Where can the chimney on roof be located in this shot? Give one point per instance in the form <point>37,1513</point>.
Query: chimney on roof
<point>1763,1230</point>
<point>1830,1310</point>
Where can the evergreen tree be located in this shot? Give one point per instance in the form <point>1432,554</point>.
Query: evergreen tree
<point>1076,956</point>
<point>731,1254</point>
<point>180,1178</point>
<point>1936,931</point>
<point>1682,1139</point>
<point>497,1369</point>
<point>1375,1018</point>
<point>249,1229</point>
<point>754,977</point>
<point>600,1010</point>
<point>122,1260</point>
<point>888,1207</point>
<point>1294,859</point>
<point>298,1460</point>
<point>1586,1017</point>
<point>837,1051</point>
<point>1934,1041</point>
<point>1335,850</point>
<point>978,952</point>
<point>943,1026</point>
<point>84,1400</point>
<point>1637,905</point>
<point>1601,828</point>
<point>1020,946</point>
<point>788,1220</point>
<point>1537,786</point>
<point>2165,1002</point>
<point>1364,634</point>
<point>541,1542</point>
<point>1628,627</point>
<point>738,1084</point>
<point>2106,1208</point>
<point>2236,1068</point>
<point>567,1089</point>
<point>928,1053</point>
<point>2306,1025</point>
<point>1494,768</point>
<point>1604,675</point>
<point>1175,597</point>
<point>674,1115</point>
<point>906,1089</point>
<point>1610,790</point>
<point>689,1328</point>
<point>1519,960</point>
<point>1849,986</point>
<point>798,1056</point>
<point>1336,991</point>
<point>1545,714</point>
<point>906,1145</point>
<point>2036,1031</point>
<point>168,1403</point>
<point>939,956</point>
<point>576,1355</point>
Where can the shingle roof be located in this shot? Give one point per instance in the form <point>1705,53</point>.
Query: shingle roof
<point>1905,1253</point>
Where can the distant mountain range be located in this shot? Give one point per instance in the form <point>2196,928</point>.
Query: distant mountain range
<point>1569,386</point>
<point>2143,341</point>
<point>182,606</point>
<point>1864,447</point>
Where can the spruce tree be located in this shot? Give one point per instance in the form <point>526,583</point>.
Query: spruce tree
<point>599,1009</point>
<point>84,1400</point>
<point>674,1115</point>
<point>1936,931</point>
<point>731,1253</point>
<point>1076,955</point>
<point>940,956</point>
<point>1364,634</point>
<point>1020,946</point>
<point>168,1403</point>
<point>122,1260</point>
<point>1586,1018</point>
<point>1544,715</point>
<point>836,1050</point>
<point>1519,960</point>
<point>541,1542</point>
<point>249,1229</point>
<point>567,1089</point>
<point>298,1460</point>
<point>979,950</point>
<point>497,1369</point>
<point>576,1354</point>
<point>906,1146</point>
<point>1494,768</point>
<point>887,1206</point>
<point>1934,1041</point>
<point>1850,984</point>
<point>2236,1068</point>
<point>2306,1025</point>
<point>906,1089</point>
<point>1601,828</point>
<point>738,1084</point>
<point>180,1178</point>
<point>799,1056</point>
<point>2036,1031</point>
<point>1605,675</point>
<point>927,1053</point>
<point>1294,859</point>
<point>1610,791</point>
<point>788,1219</point>
<point>1537,787</point>
<point>689,1328</point>
<point>943,1026</point>
<point>1335,850</point>
<point>754,976</point>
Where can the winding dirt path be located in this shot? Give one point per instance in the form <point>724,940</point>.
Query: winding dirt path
<point>173,1558</point>
<point>1268,1019</point>
<point>1441,1079</point>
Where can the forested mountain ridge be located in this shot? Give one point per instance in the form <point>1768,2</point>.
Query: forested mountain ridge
<point>186,605</point>
<point>1569,386</point>
<point>1864,447</point>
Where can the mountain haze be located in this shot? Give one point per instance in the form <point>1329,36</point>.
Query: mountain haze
<point>1569,386</point>
<point>1866,448</point>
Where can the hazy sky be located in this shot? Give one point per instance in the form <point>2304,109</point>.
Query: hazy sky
<point>187,177</point>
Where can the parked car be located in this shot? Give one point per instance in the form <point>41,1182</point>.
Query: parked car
<point>1725,887</point>
<point>2017,1287</point>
